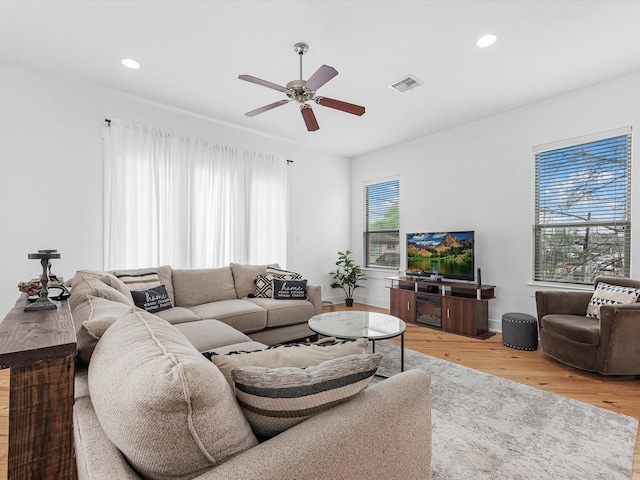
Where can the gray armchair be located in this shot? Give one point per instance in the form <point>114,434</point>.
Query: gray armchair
<point>609,346</point>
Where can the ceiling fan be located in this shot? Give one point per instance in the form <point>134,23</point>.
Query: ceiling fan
<point>303,91</point>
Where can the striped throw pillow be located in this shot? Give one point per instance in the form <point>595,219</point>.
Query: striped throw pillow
<point>298,355</point>
<point>139,279</point>
<point>275,399</point>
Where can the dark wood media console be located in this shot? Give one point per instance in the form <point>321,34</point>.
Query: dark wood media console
<point>454,307</point>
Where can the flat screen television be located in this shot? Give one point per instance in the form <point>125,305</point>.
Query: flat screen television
<point>449,255</point>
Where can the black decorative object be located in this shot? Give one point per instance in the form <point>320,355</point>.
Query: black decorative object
<point>43,302</point>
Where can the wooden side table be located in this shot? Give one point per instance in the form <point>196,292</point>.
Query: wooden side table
<point>39,348</point>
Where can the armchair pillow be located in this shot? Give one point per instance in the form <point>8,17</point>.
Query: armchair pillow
<point>607,294</point>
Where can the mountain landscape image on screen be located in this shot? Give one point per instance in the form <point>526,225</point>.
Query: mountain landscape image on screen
<point>442,253</point>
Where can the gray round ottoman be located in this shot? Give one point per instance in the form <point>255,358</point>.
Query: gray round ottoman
<point>520,330</point>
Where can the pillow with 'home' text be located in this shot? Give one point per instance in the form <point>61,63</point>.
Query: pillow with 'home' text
<point>289,289</point>
<point>152,300</point>
<point>264,282</point>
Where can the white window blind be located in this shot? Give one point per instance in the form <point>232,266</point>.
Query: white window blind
<point>582,210</point>
<point>381,224</point>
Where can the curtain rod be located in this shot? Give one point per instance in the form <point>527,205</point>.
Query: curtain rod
<point>108,121</point>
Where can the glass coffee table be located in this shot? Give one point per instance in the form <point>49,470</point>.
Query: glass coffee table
<point>353,325</point>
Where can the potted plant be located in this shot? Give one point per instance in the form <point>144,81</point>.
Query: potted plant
<point>347,275</point>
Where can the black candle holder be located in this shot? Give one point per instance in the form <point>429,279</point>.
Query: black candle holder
<point>43,302</point>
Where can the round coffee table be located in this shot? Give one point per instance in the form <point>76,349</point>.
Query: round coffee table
<point>352,325</point>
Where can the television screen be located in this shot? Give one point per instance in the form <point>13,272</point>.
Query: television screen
<point>444,254</point>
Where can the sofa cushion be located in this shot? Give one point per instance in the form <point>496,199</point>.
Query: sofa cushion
<point>275,399</point>
<point>177,315</point>
<point>94,316</point>
<point>98,284</point>
<point>244,277</point>
<point>167,409</point>
<point>577,328</point>
<point>164,276</point>
<point>607,294</point>
<point>152,300</point>
<point>242,315</point>
<point>298,355</point>
<point>285,312</point>
<point>140,279</point>
<point>209,334</point>
<point>198,286</point>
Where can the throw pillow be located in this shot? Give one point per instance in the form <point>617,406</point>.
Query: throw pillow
<point>289,289</point>
<point>153,300</point>
<point>275,399</point>
<point>606,294</point>
<point>264,282</point>
<point>291,355</point>
<point>161,403</point>
<point>138,279</point>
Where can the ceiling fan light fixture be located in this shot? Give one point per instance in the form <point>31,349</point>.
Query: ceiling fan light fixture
<point>302,91</point>
<point>486,40</point>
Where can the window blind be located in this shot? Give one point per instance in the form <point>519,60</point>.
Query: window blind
<point>582,211</point>
<point>382,221</point>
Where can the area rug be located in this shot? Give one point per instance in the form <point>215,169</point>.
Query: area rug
<point>486,427</point>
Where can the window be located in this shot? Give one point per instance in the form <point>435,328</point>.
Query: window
<point>381,224</point>
<point>582,217</point>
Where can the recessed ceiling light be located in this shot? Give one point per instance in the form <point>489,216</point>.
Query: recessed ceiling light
<point>130,63</point>
<point>486,40</point>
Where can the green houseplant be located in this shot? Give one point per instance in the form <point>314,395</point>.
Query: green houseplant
<point>347,275</point>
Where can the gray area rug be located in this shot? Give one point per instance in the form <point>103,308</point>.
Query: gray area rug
<point>486,427</point>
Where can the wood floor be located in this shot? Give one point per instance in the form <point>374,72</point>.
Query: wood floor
<point>491,356</point>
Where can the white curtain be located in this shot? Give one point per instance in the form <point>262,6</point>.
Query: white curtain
<point>190,203</point>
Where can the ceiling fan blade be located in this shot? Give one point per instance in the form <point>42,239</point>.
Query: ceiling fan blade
<point>264,83</point>
<point>309,118</point>
<point>260,110</point>
<point>339,105</point>
<point>320,77</point>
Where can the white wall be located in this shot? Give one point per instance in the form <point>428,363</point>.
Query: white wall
<point>51,181</point>
<point>478,177</point>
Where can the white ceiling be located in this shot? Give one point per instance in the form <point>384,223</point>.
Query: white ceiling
<point>193,51</point>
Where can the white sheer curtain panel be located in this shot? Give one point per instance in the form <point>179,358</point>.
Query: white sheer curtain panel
<point>189,203</point>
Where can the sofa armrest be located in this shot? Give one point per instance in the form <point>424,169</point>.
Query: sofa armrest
<point>562,303</point>
<point>385,432</point>
<point>314,294</point>
<point>619,352</point>
<point>96,457</point>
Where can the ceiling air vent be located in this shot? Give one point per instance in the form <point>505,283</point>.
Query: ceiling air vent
<point>407,83</point>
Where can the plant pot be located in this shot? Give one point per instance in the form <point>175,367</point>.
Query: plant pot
<point>349,302</point>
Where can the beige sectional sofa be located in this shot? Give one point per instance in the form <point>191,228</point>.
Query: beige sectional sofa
<point>221,293</point>
<point>150,405</point>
